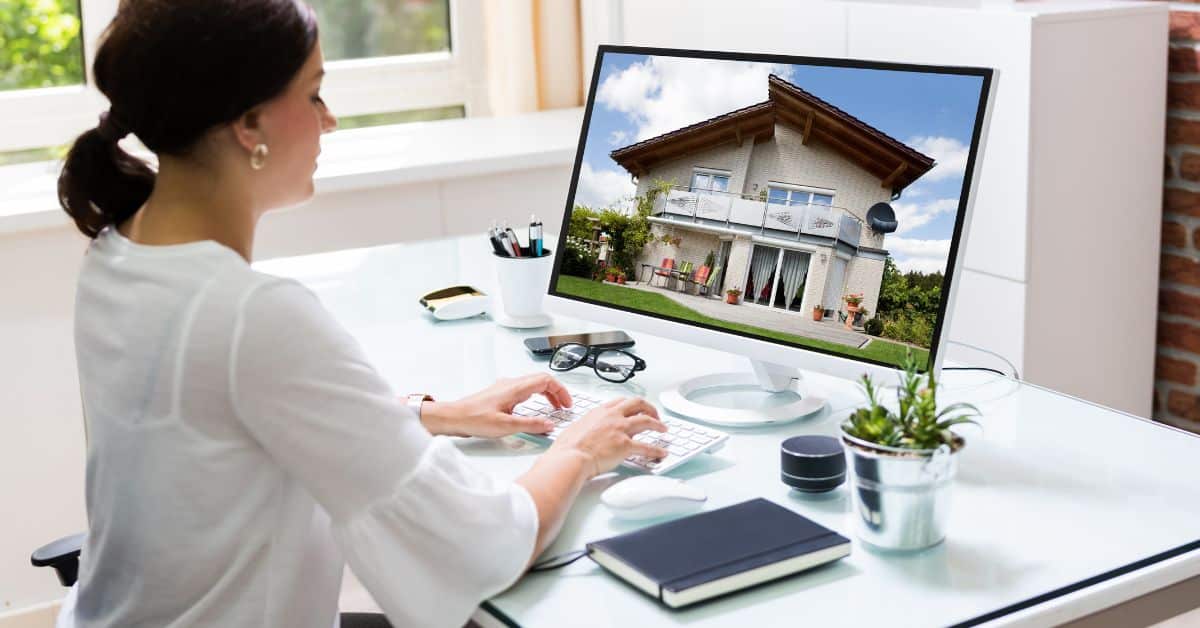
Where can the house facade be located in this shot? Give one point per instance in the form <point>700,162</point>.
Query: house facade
<point>779,193</point>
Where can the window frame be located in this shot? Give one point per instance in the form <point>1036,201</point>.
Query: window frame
<point>710,173</point>
<point>37,118</point>
<point>810,190</point>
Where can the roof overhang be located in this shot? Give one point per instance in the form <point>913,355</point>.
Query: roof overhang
<point>755,123</point>
<point>895,164</point>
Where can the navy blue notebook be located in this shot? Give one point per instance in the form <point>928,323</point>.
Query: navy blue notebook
<point>691,559</point>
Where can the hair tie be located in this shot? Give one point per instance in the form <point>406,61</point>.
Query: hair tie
<point>110,128</point>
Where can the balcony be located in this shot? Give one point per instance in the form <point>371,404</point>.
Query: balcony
<point>745,213</point>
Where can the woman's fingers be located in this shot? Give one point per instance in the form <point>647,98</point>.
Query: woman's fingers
<point>641,422</point>
<point>530,424</point>
<point>637,405</point>
<point>546,385</point>
<point>647,450</point>
<point>614,402</point>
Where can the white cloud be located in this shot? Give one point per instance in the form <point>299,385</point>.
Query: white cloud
<point>925,256</point>
<point>602,189</point>
<point>663,94</point>
<point>618,138</point>
<point>915,214</point>
<point>949,154</point>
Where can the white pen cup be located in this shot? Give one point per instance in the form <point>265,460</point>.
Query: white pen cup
<point>523,283</point>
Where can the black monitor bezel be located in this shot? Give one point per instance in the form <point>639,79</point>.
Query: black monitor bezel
<point>986,74</point>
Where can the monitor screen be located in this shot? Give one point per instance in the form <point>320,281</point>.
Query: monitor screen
<point>813,203</point>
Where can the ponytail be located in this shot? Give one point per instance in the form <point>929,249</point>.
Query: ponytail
<point>100,183</point>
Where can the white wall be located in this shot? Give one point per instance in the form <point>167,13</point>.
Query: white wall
<point>41,429</point>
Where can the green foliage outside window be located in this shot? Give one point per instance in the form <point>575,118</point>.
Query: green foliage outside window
<point>39,44</point>
<point>354,29</point>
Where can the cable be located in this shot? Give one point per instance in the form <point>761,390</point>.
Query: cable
<point>975,368</point>
<point>1015,373</point>
<point>558,561</point>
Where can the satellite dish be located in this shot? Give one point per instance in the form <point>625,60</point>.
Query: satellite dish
<point>881,218</point>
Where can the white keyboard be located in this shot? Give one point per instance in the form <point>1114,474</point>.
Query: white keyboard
<point>683,440</point>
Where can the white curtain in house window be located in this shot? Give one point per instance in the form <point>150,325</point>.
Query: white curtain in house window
<point>795,269</point>
<point>761,267</point>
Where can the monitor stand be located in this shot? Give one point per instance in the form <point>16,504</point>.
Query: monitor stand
<point>767,378</point>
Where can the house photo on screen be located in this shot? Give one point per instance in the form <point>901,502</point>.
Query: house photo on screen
<point>808,204</point>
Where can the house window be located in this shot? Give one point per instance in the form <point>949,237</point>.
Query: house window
<point>777,277</point>
<point>709,181</point>
<point>797,196</point>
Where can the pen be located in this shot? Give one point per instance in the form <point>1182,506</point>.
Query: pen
<point>535,236</point>
<point>497,245</point>
<point>508,245</point>
<point>512,235</point>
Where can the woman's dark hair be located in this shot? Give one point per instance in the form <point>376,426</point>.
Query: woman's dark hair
<point>172,70</point>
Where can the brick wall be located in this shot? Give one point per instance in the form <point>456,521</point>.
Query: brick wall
<point>1177,385</point>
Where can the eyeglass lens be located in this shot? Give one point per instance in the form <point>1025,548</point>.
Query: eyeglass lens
<point>615,366</point>
<point>567,357</point>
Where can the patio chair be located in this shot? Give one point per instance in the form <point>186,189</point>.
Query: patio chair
<point>666,267</point>
<point>707,284</point>
<point>685,273</point>
<point>700,278</point>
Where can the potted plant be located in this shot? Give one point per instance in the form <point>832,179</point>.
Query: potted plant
<point>861,315</point>
<point>852,301</point>
<point>903,462</point>
<point>731,296</point>
<point>818,313</point>
<point>621,276</point>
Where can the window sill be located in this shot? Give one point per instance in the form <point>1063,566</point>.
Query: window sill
<point>358,159</point>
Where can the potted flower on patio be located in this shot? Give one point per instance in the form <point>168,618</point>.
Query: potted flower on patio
<point>818,313</point>
<point>852,301</point>
<point>621,276</point>
<point>731,296</point>
<point>902,463</point>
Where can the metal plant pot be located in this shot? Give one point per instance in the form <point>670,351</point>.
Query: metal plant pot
<point>901,496</point>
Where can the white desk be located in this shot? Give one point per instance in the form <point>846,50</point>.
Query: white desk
<point>1061,508</point>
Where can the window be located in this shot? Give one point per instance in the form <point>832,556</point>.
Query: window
<point>40,44</point>
<point>708,181</point>
<point>386,61</point>
<point>796,196</point>
<point>359,29</point>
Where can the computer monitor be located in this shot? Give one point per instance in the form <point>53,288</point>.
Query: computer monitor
<point>806,213</point>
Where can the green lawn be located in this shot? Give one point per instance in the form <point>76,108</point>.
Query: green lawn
<point>879,350</point>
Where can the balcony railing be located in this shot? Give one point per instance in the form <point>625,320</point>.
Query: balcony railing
<point>736,209</point>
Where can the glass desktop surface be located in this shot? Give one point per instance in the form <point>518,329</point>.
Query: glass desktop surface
<point>1051,491</point>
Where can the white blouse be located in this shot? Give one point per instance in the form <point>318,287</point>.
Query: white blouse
<point>241,449</point>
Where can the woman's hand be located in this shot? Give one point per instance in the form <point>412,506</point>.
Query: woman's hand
<point>488,413</point>
<point>605,435</point>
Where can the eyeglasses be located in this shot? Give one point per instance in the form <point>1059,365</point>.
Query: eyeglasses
<point>613,365</point>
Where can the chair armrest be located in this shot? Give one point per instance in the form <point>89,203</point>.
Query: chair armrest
<point>62,555</point>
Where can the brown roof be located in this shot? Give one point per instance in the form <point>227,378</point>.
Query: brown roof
<point>896,164</point>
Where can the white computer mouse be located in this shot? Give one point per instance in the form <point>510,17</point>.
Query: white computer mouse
<point>649,496</point>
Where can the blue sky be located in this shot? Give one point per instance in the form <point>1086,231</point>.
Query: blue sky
<point>639,97</point>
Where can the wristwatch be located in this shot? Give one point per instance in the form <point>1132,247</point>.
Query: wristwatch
<point>415,400</point>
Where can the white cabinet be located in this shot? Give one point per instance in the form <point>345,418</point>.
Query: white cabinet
<point>1061,271</point>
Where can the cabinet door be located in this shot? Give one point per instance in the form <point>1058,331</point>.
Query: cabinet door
<point>996,38</point>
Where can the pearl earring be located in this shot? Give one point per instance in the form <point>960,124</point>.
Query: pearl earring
<point>258,157</point>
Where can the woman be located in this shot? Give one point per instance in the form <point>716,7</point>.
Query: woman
<point>241,448</point>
